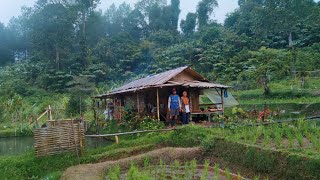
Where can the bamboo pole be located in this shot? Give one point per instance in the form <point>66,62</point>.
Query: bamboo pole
<point>50,113</point>
<point>117,139</point>
<point>75,141</point>
<point>222,100</point>
<point>158,105</point>
<point>120,109</point>
<point>191,106</point>
<point>138,103</point>
<point>127,133</point>
<point>42,115</point>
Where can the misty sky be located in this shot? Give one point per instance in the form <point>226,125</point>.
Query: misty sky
<point>10,8</point>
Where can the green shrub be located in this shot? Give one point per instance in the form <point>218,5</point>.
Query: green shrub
<point>188,136</point>
<point>151,124</point>
<point>76,105</point>
<point>281,165</point>
<point>260,161</point>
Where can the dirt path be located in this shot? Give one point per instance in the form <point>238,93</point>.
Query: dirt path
<point>96,171</point>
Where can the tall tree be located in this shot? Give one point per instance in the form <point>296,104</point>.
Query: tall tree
<point>204,10</point>
<point>188,26</point>
<point>175,12</point>
<point>84,8</point>
<point>116,17</point>
<point>6,53</point>
<point>146,6</point>
<point>268,64</point>
<point>51,31</point>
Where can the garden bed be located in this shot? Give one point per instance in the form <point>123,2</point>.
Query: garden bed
<point>187,170</point>
<point>285,151</point>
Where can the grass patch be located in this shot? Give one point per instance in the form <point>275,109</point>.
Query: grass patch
<point>7,130</point>
<point>244,146</point>
<point>28,166</point>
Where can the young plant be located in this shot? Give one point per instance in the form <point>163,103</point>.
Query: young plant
<point>175,170</point>
<point>146,164</point>
<point>290,138</point>
<point>204,175</point>
<point>309,136</point>
<point>114,173</point>
<point>299,137</point>
<point>278,138</point>
<point>266,136</point>
<point>156,172</point>
<point>256,178</point>
<point>228,174</point>
<point>193,165</point>
<point>256,135</point>
<point>187,171</point>
<point>163,169</point>
<point>239,176</point>
<point>315,141</point>
<point>133,172</point>
<point>216,171</point>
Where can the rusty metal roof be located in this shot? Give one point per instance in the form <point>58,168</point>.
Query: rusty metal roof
<point>163,79</point>
<point>199,84</point>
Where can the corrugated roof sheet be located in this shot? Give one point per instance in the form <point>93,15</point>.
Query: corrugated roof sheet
<point>204,84</point>
<point>153,80</point>
<point>161,79</point>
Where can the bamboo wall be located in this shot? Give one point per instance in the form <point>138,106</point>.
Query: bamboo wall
<point>59,136</point>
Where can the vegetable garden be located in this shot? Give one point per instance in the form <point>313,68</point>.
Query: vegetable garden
<point>177,170</point>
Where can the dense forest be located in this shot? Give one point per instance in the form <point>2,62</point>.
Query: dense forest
<point>63,46</point>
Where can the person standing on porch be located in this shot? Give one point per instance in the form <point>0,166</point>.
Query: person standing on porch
<point>174,107</point>
<point>185,108</point>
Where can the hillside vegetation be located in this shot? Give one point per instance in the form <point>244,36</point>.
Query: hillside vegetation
<point>58,48</point>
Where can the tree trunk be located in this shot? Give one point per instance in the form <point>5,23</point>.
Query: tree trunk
<point>84,22</point>
<point>293,57</point>
<point>266,89</point>
<point>57,58</point>
<point>302,81</point>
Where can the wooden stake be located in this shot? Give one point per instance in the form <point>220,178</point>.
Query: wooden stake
<point>50,113</point>
<point>120,110</point>
<point>190,104</point>
<point>117,139</point>
<point>138,103</point>
<point>158,105</point>
<point>222,101</point>
<point>42,115</point>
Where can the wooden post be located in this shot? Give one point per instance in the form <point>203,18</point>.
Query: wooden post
<point>80,138</point>
<point>95,114</point>
<point>50,113</point>
<point>114,113</point>
<point>158,105</point>
<point>138,103</point>
<point>120,109</point>
<point>117,139</point>
<point>190,104</point>
<point>222,100</point>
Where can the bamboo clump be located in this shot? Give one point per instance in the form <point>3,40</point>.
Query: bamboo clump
<point>60,136</point>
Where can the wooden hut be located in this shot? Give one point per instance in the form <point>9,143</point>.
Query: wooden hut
<point>149,95</point>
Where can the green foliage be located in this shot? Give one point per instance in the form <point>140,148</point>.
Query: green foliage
<point>76,105</point>
<point>188,136</point>
<point>151,124</point>
<point>58,43</point>
<point>204,10</point>
<point>188,26</point>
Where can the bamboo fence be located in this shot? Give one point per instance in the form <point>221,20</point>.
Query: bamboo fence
<point>60,136</point>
